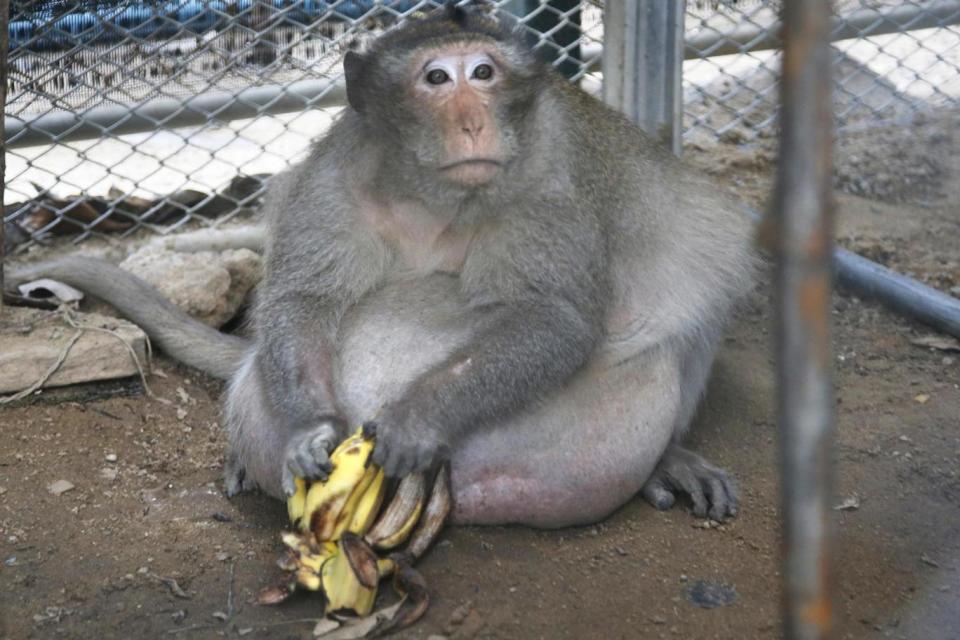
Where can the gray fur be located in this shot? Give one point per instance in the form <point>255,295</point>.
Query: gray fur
<point>557,359</point>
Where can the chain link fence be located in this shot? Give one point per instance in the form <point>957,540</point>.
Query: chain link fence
<point>124,116</point>
<point>892,59</point>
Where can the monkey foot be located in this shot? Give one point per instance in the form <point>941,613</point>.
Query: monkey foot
<point>681,471</point>
<point>235,477</point>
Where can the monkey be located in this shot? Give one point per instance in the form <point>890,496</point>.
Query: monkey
<point>481,264</point>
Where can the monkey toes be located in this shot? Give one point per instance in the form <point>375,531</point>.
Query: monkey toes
<point>681,471</point>
<point>235,477</point>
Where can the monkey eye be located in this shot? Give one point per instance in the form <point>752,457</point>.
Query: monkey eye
<point>437,76</point>
<point>483,72</point>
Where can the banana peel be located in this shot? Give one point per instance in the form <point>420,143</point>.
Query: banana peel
<point>343,587</point>
<point>326,500</point>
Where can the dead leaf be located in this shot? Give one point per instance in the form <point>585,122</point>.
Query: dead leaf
<point>848,504</point>
<point>922,398</point>
<point>273,594</point>
<point>929,561</point>
<point>940,343</point>
<point>325,626</point>
<point>60,487</point>
<point>171,584</point>
<point>353,628</point>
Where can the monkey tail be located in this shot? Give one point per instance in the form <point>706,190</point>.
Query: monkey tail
<point>179,335</point>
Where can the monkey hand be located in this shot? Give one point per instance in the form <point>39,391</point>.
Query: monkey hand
<point>308,454</point>
<point>406,440</point>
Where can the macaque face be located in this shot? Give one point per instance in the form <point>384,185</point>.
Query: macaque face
<point>456,89</point>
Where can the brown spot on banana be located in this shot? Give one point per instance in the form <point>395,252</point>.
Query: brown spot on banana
<point>362,558</point>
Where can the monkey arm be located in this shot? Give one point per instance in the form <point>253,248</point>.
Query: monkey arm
<point>545,318</point>
<point>318,263</point>
<point>532,348</point>
<point>300,304</point>
<point>295,358</point>
<point>535,347</point>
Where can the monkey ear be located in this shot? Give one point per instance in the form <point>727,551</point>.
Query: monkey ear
<point>354,69</point>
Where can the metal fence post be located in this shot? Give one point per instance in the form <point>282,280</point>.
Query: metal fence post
<point>643,64</point>
<point>803,219</point>
<point>4,40</point>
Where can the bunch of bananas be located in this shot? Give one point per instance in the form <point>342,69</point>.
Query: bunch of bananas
<point>340,527</point>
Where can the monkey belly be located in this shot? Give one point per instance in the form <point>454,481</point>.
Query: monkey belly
<point>571,458</point>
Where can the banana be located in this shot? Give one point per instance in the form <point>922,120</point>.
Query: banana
<point>325,500</point>
<point>386,566</point>
<point>351,507</point>
<point>297,502</point>
<point>396,523</point>
<point>362,558</point>
<point>435,514</point>
<point>368,507</point>
<point>308,578</point>
<point>304,551</point>
<point>339,523</point>
<point>343,588</point>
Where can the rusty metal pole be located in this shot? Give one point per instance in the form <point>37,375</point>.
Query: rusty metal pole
<point>802,219</point>
<point>4,40</point>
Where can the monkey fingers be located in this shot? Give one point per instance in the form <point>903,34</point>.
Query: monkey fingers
<point>401,451</point>
<point>308,455</point>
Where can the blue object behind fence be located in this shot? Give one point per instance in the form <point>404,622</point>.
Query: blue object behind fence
<point>46,27</point>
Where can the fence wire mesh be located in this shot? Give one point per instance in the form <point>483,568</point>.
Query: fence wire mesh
<point>891,59</point>
<point>123,116</point>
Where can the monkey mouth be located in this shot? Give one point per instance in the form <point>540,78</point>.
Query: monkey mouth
<point>472,162</point>
<point>473,171</point>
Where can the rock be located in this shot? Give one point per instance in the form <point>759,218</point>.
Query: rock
<point>709,594</point>
<point>209,286</point>
<point>60,487</point>
<point>96,355</point>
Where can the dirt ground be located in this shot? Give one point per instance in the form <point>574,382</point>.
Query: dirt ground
<point>146,505</point>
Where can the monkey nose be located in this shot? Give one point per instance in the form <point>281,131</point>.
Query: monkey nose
<point>472,130</point>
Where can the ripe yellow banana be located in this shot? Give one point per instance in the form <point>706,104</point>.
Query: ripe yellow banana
<point>398,520</point>
<point>351,507</point>
<point>308,578</point>
<point>325,500</point>
<point>297,502</point>
<point>304,551</point>
<point>368,507</point>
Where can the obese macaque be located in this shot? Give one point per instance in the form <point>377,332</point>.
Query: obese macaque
<point>483,264</point>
